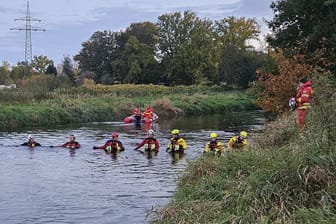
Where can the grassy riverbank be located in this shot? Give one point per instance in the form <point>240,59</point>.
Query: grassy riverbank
<point>28,107</point>
<point>288,176</point>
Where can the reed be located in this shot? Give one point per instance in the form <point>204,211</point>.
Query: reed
<point>28,106</point>
<point>288,176</point>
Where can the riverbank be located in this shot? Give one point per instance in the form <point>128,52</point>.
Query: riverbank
<point>90,102</point>
<point>288,176</point>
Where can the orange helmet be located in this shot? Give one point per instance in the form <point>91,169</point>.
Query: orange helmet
<point>115,134</point>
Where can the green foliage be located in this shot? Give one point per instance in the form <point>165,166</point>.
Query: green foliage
<point>281,180</point>
<point>175,51</point>
<point>238,67</point>
<point>41,63</point>
<point>136,62</point>
<point>97,54</point>
<point>306,27</point>
<point>68,69</point>
<point>5,73</point>
<point>235,32</point>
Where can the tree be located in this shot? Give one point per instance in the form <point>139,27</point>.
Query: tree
<point>5,73</point>
<point>238,67</point>
<point>184,43</point>
<point>236,32</point>
<point>305,27</point>
<point>51,69</point>
<point>136,54</point>
<point>273,90</point>
<point>41,63</point>
<point>97,55</point>
<point>68,69</point>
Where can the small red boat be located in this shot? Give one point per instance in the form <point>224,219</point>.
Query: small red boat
<point>139,119</point>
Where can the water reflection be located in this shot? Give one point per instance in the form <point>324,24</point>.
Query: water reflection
<point>176,156</point>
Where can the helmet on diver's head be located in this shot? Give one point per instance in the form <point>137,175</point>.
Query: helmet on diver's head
<point>213,135</point>
<point>115,134</point>
<point>243,134</point>
<point>175,131</point>
<point>150,132</point>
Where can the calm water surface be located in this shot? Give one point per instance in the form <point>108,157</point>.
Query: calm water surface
<point>55,185</point>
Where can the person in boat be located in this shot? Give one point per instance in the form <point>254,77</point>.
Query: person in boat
<point>150,142</point>
<point>238,143</point>
<point>31,142</point>
<point>113,145</point>
<point>214,146</point>
<point>148,114</point>
<point>137,115</point>
<point>176,143</point>
<point>71,144</point>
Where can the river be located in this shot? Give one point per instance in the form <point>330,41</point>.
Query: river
<point>57,185</point>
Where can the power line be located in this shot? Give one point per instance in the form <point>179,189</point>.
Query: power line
<point>28,28</point>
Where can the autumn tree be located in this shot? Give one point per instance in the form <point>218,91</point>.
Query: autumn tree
<point>273,90</point>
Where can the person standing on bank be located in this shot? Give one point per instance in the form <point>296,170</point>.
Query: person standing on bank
<point>303,98</point>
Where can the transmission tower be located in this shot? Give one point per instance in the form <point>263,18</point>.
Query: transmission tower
<point>28,28</point>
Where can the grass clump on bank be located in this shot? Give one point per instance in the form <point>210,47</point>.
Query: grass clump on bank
<point>289,176</point>
<point>27,107</point>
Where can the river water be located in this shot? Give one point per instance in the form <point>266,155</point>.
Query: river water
<point>57,185</point>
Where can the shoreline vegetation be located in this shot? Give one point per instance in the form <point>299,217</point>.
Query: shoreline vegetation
<point>39,107</point>
<point>287,176</point>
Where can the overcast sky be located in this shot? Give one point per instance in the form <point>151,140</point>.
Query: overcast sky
<point>69,23</point>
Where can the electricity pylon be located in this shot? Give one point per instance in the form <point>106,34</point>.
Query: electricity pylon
<point>28,28</point>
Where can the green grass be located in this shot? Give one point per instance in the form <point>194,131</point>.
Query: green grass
<point>107,103</point>
<point>288,176</point>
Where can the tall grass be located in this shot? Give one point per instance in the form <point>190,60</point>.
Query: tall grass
<point>37,103</point>
<point>289,176</point>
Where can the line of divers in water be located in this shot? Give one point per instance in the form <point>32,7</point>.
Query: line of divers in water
<point>151,145</point>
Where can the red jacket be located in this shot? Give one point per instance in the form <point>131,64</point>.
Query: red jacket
<point>304,96</point>
<point>112,145</point>
<point>150,144</point>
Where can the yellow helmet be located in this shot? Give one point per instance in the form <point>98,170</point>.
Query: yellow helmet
<point>175,132</point>
<point>243,134</point>
<point>213,135</point>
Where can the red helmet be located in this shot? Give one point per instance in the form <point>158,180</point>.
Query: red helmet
<point>149,109</point>
<point>136,110</point>
<point>115,134</point>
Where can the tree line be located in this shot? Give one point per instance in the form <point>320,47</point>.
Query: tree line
<point>180,49</point>
<point>183,49</point>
